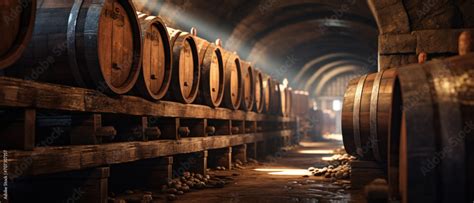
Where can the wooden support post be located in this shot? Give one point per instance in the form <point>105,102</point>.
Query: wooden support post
<point>221,157</point>
<point>88,129</point>
<point>222,127</point>
<point>364,172</point>
<point>169,128</point>
<point>240,153</point>
<point>17,129</point>
<point>161,172</point>
<point>200,164</point>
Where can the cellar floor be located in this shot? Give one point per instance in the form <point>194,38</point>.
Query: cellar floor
<point>286,183</point>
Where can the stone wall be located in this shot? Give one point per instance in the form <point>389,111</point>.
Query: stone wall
<point>408,27</point>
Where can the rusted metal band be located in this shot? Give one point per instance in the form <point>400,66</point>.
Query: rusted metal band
<point>71,41</point>
<point>374,101</point>
<point>356,114</point>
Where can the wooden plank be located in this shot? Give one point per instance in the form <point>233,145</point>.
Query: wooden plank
<point>46,160</point>
<point>22,93</point>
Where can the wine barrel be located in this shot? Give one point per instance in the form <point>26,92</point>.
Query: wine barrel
<point>289,102</point>
<point>186,70</point>
<point>267,94</point>
<point>233,81</point>
<point>259,90</point>
<point>17,18</point>
<point>370,114</point>
<point>276,102</point>
<point>248,93</point>
<point>155,75</point>
<point>432,159</point>
<point>211,89</point>
<point>283,101</point>
<point>93,44</point>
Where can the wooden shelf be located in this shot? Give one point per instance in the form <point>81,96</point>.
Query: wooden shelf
<point>29,94</point>
<point>47,160</point>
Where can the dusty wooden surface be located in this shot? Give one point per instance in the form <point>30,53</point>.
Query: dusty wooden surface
<point>46,160</point>
<point>22,93</point>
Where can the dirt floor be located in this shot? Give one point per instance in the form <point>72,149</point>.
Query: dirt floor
<point>282,177</point>
<point>288,182</point>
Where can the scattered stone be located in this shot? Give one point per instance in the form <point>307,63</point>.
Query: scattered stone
<point>172,191</point>
<point>306,176</point>
<point>171,197</point>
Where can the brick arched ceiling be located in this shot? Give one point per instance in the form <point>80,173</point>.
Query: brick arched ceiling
<point>281,36</point>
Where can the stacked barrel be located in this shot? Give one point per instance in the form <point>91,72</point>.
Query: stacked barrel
<point>418,122</point>
<point>108,46</point>
<point>17,19</point>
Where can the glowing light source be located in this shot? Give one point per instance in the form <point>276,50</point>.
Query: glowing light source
<point>336,105</point>
<point>327,158</point>
<point>337,137</point>
<point>285,83</point>
<point>316,151</point>
<point>284,171</point>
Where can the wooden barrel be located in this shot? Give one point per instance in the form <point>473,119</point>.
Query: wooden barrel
<point>211,89</point>
<point>370,114</point>
<point>267,94</point>
<point>94,44</point>
<point>186,70</point>
<point>276,102</point>
<point>433,159</point>
<point>296,102</point>
<point>259,92</point>
<point>248,93</point>
<point>155,75</point>
<point>283,111</point>
<point>289,101</point>
<point>233,81</point>
<point>17,18</point>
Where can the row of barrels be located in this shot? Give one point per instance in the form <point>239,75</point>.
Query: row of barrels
<point>418,122</point>
<point>108,46</point>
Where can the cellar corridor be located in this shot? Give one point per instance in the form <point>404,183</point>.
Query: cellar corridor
<point>281,177</point>
<point>236,101</point>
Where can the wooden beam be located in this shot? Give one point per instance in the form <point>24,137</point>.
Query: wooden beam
<point>46,160</point>
<point>29,94</point>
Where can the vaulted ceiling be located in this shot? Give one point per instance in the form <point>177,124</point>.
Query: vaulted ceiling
<point>302,40</point>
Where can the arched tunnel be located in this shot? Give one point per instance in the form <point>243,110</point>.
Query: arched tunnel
<point>237,101</point>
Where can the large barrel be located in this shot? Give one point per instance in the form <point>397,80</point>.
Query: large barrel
<point>370,114</point>
<point>155,75</point>
<point>248,93</point>
<point>211,89</point>
<point>94,44</point>
<point>259,90</point>
<point>233,81</point>
<point>17,18</point>
<point>186,70</point>
<point>267,93</point>
<point>276,102</point>
<point>301,103</point>
<point>433,159</point>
